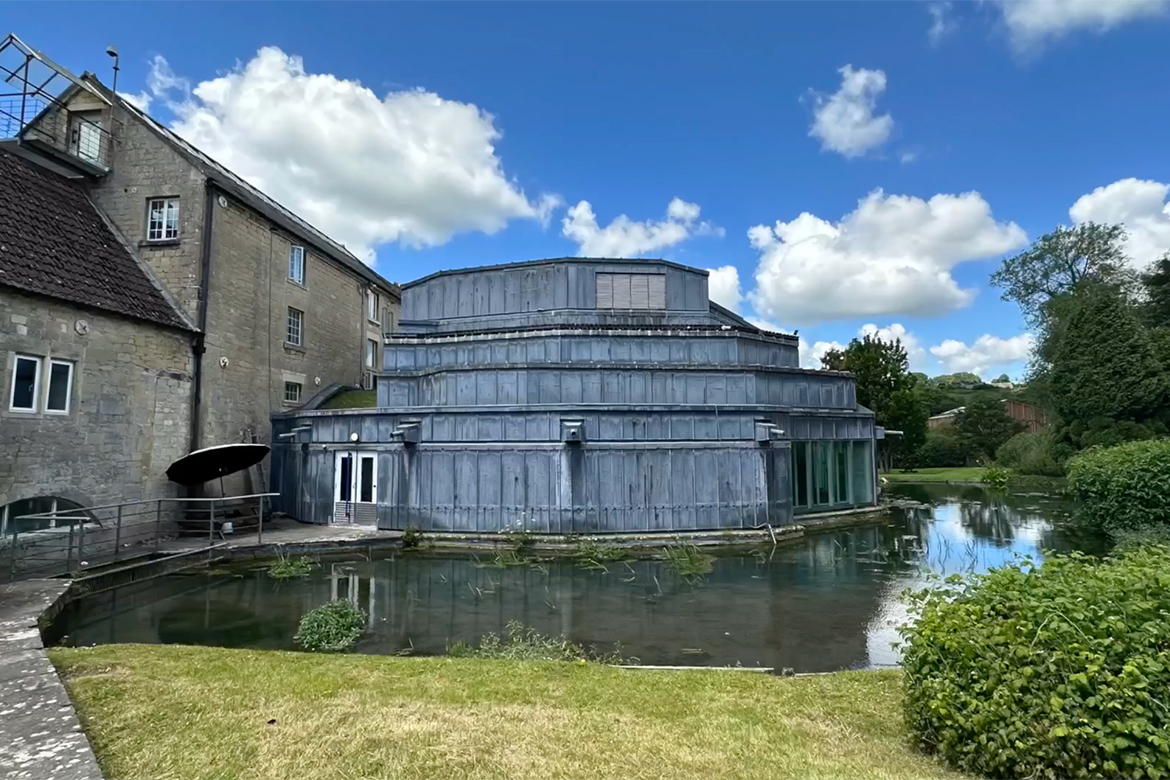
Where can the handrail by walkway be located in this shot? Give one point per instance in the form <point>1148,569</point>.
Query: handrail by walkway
<point>87,540</point>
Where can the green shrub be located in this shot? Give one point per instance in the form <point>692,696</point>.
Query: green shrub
<point>1122,487</point>
<point>1036,454</point>
<point>331,628</point>
<point>1057,671</point>
<point>945,448</point>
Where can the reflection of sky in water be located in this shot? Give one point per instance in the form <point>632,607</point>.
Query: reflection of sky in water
<point>831,602</point>
<point>962,531</point>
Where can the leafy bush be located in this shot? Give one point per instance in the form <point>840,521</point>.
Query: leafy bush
<point>945,448</point>
<point>1058,671</point>
<point>1033,453</point>
<point>526,643</point>
<point>1122,487</point>
<point>331,628</point>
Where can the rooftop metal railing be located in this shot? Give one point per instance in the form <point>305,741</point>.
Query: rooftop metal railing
<point>76,540</point>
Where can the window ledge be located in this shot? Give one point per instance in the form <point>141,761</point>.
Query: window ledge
<point>295,283</point>
<point>161,242</point>
<point>374,322</point>
<point>293,347</point>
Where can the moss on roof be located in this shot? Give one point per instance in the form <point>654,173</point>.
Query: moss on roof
<point>352,399</point>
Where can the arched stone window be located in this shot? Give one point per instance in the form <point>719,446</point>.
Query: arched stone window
<point>53,511</point>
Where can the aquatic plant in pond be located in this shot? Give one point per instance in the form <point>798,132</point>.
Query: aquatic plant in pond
<point>687,560</point>
<point>591,555</point>
<point>286,568</point>
<point>526,643</point>
<point>335,627</point>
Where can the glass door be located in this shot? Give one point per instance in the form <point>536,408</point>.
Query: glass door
<point>355,488</point>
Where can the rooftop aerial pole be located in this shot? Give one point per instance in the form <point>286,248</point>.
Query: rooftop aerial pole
<point>113,52</point>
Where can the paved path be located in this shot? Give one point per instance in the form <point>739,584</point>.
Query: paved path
<point>40,736</point>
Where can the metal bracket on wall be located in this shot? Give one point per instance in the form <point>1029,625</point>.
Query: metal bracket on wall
<point>767,432</point>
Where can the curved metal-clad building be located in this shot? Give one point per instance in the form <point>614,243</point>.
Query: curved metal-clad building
<point>579,396</point>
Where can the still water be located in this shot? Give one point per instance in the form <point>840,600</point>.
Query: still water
<point>830,603</point>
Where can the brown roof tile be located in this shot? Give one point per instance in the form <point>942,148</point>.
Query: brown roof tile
<point>54,242</point>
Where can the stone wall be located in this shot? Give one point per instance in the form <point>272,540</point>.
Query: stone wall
<point>247,362</point>
<point>247,325</point>
<point>129,413</point>
<point>145,167</point>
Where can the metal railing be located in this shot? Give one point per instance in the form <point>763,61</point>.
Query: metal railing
<point>83,539</point>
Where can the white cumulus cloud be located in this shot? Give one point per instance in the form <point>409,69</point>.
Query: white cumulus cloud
<point>408,167</point>
<point>984,354</point>
<point>1032,21</point>
<point>624,237</point>
<point>893,254</point>
<point>723,286</point>
<point>845,122</point>
<point>1140,205</point>
<point>942,21</point>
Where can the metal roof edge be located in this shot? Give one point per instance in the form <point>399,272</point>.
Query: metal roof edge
<point>552,261</point>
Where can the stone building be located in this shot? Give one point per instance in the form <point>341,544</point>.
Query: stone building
<point>95,359</point>
<point>253,309</point>
<point>580,395</point>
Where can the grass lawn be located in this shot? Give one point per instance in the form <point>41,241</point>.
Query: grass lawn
<point>156,711</point>
<point>963,474</point>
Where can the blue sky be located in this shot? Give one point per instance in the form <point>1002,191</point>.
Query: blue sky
<point>432,136</point>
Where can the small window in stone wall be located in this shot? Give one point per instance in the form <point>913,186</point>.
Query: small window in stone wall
<point>26,384</point>
<point>296,327</point>
<point>631,291</point>
<point>292,392</point>
<point>162,219</point>
<point>296,264</point>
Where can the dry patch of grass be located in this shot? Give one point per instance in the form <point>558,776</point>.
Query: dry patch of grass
<point>193,712</point>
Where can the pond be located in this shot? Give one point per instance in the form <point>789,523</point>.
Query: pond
<point>832,602</point>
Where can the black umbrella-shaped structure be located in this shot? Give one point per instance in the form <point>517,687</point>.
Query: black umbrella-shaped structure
<point>215,463</point>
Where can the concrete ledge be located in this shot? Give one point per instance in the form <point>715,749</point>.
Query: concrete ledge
<point>40,735</point>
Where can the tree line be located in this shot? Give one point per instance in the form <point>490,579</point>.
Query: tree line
<point>1100,368</point>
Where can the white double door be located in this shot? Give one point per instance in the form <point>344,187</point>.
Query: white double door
<point>355,487</point>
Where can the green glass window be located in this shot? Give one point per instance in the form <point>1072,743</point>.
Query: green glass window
<point>800,473</point>
<point>862,469</point>
<point>841,472</point>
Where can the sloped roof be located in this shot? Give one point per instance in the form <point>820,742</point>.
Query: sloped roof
<point>252,196</point>
<point>54,242</point>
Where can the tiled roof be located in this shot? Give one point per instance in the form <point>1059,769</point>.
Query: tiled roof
<point>54,242</point>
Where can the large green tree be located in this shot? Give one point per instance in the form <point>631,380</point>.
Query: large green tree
<point>1058,262</point>
<point>985,424</point>
<point>1104,365</point>
<point>885,385</point>
<point>1156,285</point>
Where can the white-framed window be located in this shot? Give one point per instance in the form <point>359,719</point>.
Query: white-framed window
<point>26,384</point>
<point>162,219</point>
<point>60,387</point>
<point>87,135</point>
<point>296,327</point>
<point>296,264</point>
<point>372,305</point>
<point>292,392</point>
<point>371,353</point>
